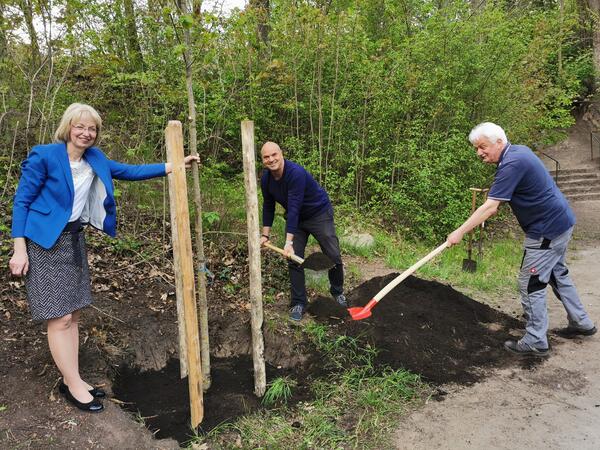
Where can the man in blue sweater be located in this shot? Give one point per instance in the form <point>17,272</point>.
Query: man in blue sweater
<point>308,211</point>
<point>547,220</point>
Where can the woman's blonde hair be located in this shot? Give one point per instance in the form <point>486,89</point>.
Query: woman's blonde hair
<point>73,113</point>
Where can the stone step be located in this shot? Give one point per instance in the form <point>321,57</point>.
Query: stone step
<point>575,183</point>
<point>583,197</point>
<point>577,177</point>
<point>580,170</point>
<point>580,190</point>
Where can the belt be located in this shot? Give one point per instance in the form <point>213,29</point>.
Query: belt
<point>74,228</point>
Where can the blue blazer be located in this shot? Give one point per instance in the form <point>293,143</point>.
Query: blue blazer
<point>43,202</point>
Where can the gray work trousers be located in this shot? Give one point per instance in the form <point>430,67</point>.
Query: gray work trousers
<point>543,264</point>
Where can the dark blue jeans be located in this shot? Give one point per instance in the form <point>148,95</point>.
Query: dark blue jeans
<point>322,227</point>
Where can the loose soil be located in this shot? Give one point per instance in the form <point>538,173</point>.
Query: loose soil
<point>162,398</point>
<point>423,326</point>
<point>428,328</point>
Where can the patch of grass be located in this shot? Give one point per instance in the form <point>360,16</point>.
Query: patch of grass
<point>358,250</point>
<point>350,409</point>
<point>279,391</point>
<point>496,271</point>
<point>318,281</point>
<point>352,272</point>
<point>3,408</point>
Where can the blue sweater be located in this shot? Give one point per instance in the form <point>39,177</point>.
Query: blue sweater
<point>297,191</point>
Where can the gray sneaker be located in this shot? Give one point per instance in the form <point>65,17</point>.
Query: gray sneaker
<point>520,348</point>
<point>296,313</point>
<point>341,299</point>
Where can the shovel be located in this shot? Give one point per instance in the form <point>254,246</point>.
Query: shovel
<point>362,312</point>
<point>469,264</point>
<point>314,261</point>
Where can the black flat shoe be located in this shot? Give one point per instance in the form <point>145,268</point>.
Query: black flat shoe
<point>96,392</point>
<point>93,406</point>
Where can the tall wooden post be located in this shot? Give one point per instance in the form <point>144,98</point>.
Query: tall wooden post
<point>184,267</point>
<point>258,346</point>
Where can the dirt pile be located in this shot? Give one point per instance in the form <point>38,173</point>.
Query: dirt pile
<point>426,327</point>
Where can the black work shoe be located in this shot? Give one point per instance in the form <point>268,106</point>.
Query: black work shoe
<point>520,348</point>
<point>571,332</point>
<point>296,313</point>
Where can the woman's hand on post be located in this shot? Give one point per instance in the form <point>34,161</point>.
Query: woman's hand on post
<point>19,263</point>
<point>187,161</point>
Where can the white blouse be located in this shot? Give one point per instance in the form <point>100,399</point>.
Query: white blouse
<point>83,175</point>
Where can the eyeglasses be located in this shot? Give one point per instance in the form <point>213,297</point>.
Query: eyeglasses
<point>81,128</point>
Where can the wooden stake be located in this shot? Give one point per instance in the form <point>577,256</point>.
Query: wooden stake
<point>258,346</point>
<point>184,268</point>
<point>183,367</point>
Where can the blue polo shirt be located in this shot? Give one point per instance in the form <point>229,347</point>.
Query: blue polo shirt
<point>522,180</point>
<point>297,191</point>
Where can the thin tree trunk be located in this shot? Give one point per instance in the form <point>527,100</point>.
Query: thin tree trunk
<point>332,105</point>
<point>133,43</point>
<point>3,39</point>
<point>193,143</point>
<point>560,37</point>
<point>594,6</point>
<point>263,13</point>
<point>27,10</point>
<point>320,103</point>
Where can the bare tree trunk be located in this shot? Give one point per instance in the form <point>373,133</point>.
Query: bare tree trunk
<point>560,38</point>
<point>332,105</point>
<point>3,40</point>
<point>133,43</point>
<point>193,143</point>
<point>263,13</point>
<point>594,6</point>
<point>27,10</point>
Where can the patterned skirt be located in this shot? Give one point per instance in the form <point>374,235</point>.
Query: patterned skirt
<point>58,280</point>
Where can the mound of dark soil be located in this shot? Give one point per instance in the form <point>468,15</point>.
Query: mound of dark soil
<point>426,327</point>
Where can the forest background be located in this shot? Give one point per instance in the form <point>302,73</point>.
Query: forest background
<point>376,98</point>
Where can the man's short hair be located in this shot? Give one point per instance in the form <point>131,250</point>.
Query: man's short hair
<point>487,130</point>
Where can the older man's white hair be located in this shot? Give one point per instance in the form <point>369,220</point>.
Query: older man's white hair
<point>488,130</point>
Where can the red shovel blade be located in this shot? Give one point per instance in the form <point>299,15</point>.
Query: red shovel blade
<point>360,313</point>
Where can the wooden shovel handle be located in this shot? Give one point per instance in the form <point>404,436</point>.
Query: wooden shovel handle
<point>294,258</point>
<point>396,281</point>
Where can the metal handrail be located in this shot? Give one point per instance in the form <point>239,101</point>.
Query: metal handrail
<point>592,137</point>
<point>557,167</point>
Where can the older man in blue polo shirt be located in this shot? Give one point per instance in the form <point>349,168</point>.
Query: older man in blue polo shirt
<point>308,211</point>
<point>547,220</point>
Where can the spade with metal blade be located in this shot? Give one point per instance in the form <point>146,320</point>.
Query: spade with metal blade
<point>315,261</point>
<point>362,312</point>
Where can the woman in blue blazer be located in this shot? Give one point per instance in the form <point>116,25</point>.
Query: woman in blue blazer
<point>64,186</point>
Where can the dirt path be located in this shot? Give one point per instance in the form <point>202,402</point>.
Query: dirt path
<point>554,406</point>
